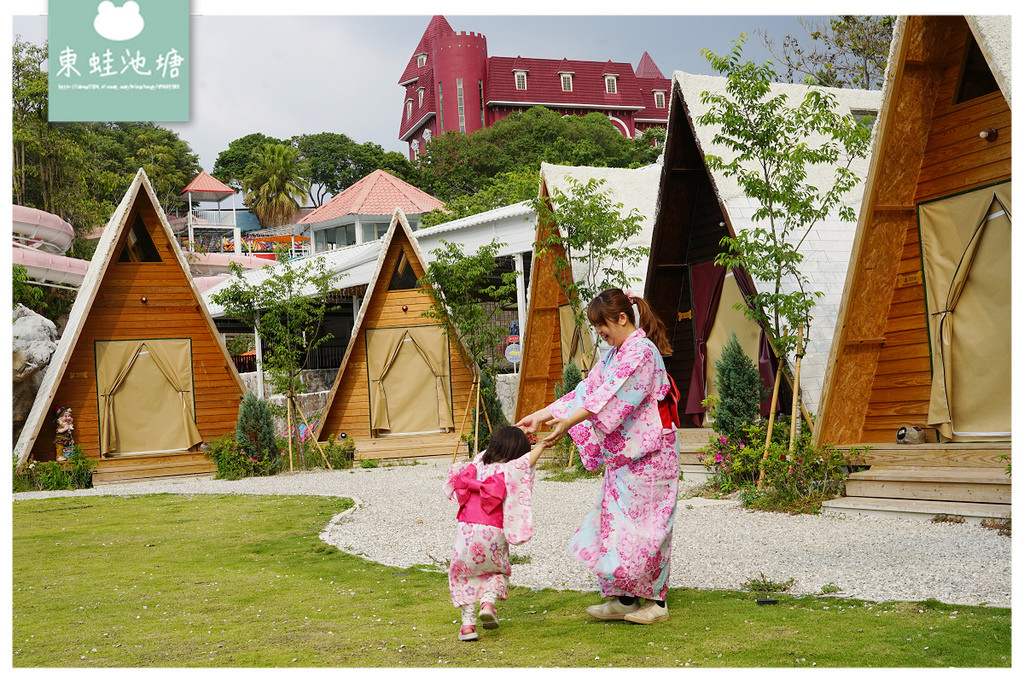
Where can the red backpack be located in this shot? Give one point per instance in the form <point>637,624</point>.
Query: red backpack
<point>668,407</point>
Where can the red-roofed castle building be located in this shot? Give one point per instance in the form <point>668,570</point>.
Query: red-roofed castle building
<point>452,85</point>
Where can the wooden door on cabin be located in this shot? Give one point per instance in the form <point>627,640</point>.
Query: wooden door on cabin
<point>145,396</point>
<point>410,380</point>
<point>966,256</point>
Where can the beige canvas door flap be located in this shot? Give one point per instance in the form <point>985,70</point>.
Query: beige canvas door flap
<point>382,347</point>
<point>966,254</point>
<point>113,362</point>
<point>432,345</point>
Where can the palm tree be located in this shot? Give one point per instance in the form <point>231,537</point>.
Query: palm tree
<point>274,184</point>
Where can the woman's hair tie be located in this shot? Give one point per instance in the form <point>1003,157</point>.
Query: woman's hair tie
<point>629,295</point>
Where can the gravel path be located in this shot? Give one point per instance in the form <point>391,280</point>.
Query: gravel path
<point>402,519</point>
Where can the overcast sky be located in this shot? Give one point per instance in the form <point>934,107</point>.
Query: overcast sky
<point>294,74</point>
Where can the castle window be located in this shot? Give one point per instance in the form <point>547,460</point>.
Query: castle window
<point>460,97</point>
<point>408,109</point>
<point>566,82</point>
<point>609,84</point>
<point>520,80</point>
<point>421,59</point>
<point>659,99</point>
<point>419,92</point>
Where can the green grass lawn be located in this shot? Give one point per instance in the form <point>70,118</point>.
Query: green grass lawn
<point>244,581</point>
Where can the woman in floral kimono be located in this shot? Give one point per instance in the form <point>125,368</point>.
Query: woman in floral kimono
<point>613,417</point>
<point>494,493</point>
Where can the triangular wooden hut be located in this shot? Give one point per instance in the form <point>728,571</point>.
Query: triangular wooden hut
<point>403,389</point>
<point>923,334</point>
<point>551,338</point>
<point>698,207</point>
<point>140,363</point>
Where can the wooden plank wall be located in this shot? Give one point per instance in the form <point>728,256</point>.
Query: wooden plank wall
<point>541,364</point>
<point>349,411</point>
<point>881,372</point>
<point>171,311</point>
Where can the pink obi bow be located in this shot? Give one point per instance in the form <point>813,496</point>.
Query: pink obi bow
<point>480,501</point>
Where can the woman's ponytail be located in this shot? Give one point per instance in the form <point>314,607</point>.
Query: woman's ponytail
<point>651,324</point>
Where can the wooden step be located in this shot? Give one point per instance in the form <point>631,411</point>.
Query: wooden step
<point>964,484</point>
<point>134,468</point>
<point>973,513</point>
<point>694,473</point>
<point>933,454</point>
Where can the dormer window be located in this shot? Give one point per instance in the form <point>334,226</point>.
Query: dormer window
<point>419,92</point>
<point>609,83</point>
<point>408,109</point>
<point>421,59</point>
<point>520,80</point>
<point>566,82</point>
<point>659,99</point>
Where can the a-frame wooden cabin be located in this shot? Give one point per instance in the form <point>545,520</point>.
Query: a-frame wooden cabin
<point>695,298</point>
<point>403,389</point>
<point>141,365</point>
<point>932,248</point>
<point>551,338</point>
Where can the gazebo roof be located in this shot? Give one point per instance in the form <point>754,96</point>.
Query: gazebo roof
<point>205,188</point>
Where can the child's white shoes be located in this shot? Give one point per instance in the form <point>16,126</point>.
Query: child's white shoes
<point>488,615</point>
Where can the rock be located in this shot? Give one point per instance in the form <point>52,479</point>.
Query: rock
<point>34,340</point>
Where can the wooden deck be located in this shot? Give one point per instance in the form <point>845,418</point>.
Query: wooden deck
<point>153,466</point>
<point>410,447</point>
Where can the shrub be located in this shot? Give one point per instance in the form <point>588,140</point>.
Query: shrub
<point>739,387</point>
<point>571,376</point>
<point>233,462</point>
<point>254,431</point>
<point>341,454</point>
<point>76,473</point>
<point>794,483</point>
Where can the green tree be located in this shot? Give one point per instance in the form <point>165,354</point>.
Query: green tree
<point>773,145</point>
<point>459,164</point>
<point>848,51</point>
<point>231,164</point>
<point>335,162</point>
<point>467,294</point>
<point>275,184</point>
<point>594,234</point>
<point>286,308</point>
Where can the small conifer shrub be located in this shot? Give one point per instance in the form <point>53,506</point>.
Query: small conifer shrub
<point>739,387</point>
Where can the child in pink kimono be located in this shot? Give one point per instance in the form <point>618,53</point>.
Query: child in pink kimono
<point>613,417</point>
<point>494,494</point>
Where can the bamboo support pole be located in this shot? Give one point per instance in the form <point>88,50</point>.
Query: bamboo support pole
<point>315,442</point>
<point>291,462</point>
<point>476,420</point>
<point>771,425</point>
<point>793,421</point>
